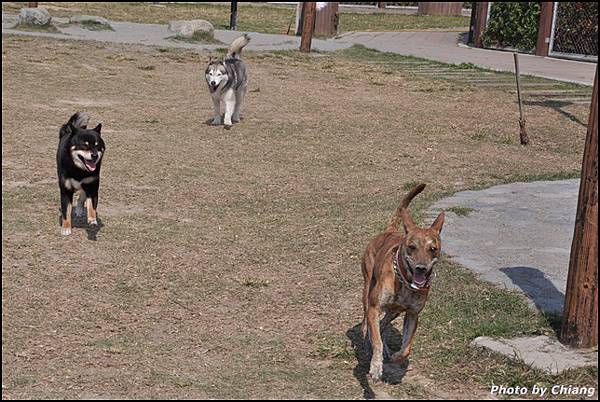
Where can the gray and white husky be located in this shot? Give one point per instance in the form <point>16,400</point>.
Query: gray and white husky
<point>228,82</point>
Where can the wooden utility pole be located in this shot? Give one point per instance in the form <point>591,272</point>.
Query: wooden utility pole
<point>580,314</point>
<point>308,26</point>
<point>544,28</point>
<point>233,16</point>
<point>480,21</point>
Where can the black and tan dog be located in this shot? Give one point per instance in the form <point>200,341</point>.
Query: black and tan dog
<point>78,161</point>
<point>397,270</point>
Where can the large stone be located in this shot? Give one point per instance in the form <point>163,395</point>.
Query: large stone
<point>34,16</point>
<point>186,29</point>
<point>89,19</point>
<point>540,352</point>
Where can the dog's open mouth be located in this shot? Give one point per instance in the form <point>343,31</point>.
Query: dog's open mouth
<point>419,279</point>
<point>89,164</point>
<point>212,88</point>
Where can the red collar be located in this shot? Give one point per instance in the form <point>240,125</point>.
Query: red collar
<point>401,273</point>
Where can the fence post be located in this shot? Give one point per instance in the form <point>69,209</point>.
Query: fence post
<point>310,11</point>
<point>233,16</point>
<point>580,314</point>
<point>480,21</point>
<point>544,29</point>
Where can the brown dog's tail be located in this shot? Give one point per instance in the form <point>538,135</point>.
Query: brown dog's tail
<point>395,219</point>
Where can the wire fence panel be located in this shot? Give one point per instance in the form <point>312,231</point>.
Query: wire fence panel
<point>575,30</point>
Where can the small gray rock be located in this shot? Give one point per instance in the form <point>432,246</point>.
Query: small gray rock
<point>9,21</point>
<point>79,19</point>
<point>34,16</point>
<point>187,29</point>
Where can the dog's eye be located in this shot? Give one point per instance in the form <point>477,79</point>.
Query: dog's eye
<point>434,249</point>
<point>412,248</point>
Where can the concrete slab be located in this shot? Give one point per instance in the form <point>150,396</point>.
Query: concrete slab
<point>517,236</point>
<point>540,352</point>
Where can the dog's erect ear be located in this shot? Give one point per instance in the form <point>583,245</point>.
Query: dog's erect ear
<point>98,128</point>
<point>407,220</point>
<point>438,223</point>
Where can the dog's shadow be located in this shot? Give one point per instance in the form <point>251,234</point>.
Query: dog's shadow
<point>392,373</point>
<point>79,220</point>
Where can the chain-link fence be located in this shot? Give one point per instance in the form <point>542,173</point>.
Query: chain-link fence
<point>575,30</point>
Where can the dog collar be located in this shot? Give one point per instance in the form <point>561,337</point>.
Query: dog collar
<point>401,274</point>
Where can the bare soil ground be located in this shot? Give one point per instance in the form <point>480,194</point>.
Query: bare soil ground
<point>227,264</point>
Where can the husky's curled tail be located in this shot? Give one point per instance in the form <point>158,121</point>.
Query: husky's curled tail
<point>235,49</point>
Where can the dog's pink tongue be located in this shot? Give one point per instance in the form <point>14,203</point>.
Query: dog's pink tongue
<point>90,165</point>
<point>419,278</point>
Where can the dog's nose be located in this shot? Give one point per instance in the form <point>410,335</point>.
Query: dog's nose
<point>421,268</point>
<point>213,83</point>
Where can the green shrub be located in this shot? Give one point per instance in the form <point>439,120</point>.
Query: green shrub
<point>512,25</point>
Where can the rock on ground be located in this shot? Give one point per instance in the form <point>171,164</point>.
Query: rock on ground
<point>187,29</point>
<point>79,19</point>
<point>34,16</point>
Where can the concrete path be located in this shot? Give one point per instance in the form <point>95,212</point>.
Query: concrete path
<point>158,35</point>
<point>436,45</point>
<point>447,47</point>
<point>516,235</point>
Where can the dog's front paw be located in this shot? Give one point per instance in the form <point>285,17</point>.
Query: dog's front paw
<point>228,126</point>
<point>92,222</point>
<point>65,231</point>
<point>216,121</point>
<point>376,371</point>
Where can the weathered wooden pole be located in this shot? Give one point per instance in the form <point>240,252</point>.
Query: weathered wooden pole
<point>233,16</point>
<point>522,129</point>
<point>480,21</point>
<point>544,28</point>
<point>580,314</point>
<point>308,26</point>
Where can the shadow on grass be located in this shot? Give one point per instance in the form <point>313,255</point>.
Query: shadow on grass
<point>558,107</point>
<point>80,221</point>
<point>392,373</point>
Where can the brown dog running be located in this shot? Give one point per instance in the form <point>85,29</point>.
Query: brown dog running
<point>397,269</point>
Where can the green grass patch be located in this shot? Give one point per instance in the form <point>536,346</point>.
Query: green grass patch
<point>198,37</point>
<point>460,211</point>
<point>48,28</point>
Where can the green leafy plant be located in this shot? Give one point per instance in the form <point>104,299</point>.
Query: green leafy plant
<point>512,25</point>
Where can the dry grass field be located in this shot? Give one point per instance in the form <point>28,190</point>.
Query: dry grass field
<point>227,263</point>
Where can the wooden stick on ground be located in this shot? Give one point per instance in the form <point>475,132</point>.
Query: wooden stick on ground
<point>522,129</point>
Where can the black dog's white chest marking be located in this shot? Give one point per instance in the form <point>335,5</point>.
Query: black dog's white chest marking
<point>73,184</point>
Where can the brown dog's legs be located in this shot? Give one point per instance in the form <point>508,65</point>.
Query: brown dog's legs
<point>408,335</point>
<point>376,369</point>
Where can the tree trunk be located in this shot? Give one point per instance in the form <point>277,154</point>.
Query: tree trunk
<point>580,314</point>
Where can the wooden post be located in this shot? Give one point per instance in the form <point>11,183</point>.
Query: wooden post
<point>480,21</point>
<point>440,8</point>
<point>32,4</point>
<point>580,314</point>
<point>310,11</point>
<point>233,16</point>
<point>522,130</point>
<point>544,28</point>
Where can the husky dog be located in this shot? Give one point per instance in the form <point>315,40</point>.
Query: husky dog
<point>228,81</point>
<point>78,162</point>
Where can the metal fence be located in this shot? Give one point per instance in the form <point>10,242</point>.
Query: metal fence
<point>575,31</point>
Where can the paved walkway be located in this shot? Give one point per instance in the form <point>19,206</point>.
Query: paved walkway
<point>516,235</point>
<point>435,45</point>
